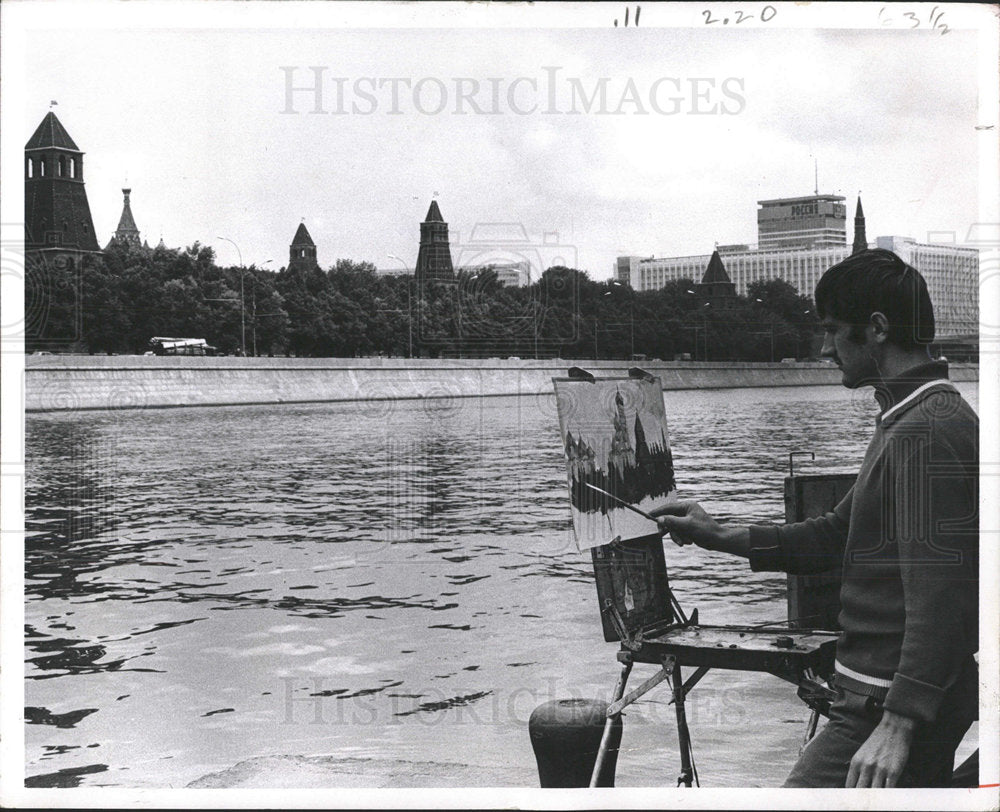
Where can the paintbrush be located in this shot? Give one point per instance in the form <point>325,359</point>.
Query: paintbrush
<point>621,502</point>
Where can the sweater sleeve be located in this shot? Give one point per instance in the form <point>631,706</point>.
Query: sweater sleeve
<point>815,545</point>
<point>935,519</point>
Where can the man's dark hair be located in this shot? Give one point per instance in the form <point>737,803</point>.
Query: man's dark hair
<point>878,280</point>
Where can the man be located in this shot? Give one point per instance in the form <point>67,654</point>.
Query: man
<point>907,535</point>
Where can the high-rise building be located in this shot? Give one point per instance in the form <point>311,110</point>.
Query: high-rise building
<point>508,274</point>
<point>434,256</point>
<point>744,264</point>
<point>952,276</point>
<point>302,251</point>
<point>127,232</point>
<point>57,219</point>
<point>624,266</point>
<point>816,221</point>
<point>951,271</point>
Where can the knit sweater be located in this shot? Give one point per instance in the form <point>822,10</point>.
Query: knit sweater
<point>907,535</point>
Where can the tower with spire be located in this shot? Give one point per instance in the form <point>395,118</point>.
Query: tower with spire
<point>434,256</point>
<point>57,219</point>
<point>860,240</point>
<point>302,251</point>
<point>127,233</point>
<point>716,286</point>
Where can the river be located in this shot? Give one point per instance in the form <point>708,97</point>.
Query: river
<point>377,594</point>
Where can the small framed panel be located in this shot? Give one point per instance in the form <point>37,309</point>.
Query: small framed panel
<point>632,576</point>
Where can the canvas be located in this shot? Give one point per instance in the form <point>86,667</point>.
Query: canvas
<point>614,435</point>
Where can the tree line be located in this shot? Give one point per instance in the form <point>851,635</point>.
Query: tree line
<point>115,302</point>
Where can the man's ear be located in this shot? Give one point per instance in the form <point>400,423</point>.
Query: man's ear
<point>880,326</point>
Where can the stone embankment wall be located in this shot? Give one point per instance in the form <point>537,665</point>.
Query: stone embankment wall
<point>57,383</point>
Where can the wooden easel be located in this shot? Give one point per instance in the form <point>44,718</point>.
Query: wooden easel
<point>795,655</point>
<point>639,610</point>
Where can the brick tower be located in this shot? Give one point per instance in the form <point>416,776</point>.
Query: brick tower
<point>57,220</point>
<point>434,257</point>
<point>127,232</point>
<point>716,286</point>
<point>302,251</point>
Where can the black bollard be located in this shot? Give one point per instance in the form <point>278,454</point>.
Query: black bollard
<point>566,735</point>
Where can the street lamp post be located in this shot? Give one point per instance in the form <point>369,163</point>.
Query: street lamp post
<point>631,324</point>
<point>764,333</point>
<point>253,312</point>
<point>703,327</point>
<point>409,307</point>
<point>761,301</point>
<point>243,310</point>
<point>631,317</point>
<point>695,328</point>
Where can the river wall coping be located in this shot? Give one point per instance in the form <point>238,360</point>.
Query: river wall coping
<point>110,362</point>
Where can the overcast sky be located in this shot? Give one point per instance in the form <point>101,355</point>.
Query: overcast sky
<point>195,122</point>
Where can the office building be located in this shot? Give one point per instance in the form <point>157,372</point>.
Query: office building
<point>951,271</point>
<point>817,221</point>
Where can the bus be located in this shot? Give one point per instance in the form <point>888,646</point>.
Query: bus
<point>162,345</point>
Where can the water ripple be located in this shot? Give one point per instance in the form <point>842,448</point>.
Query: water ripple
<point>214,585</point>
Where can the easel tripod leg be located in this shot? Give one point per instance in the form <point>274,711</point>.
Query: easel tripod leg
<point>683,735</point>
<point>609,723</point>
<point>811,726</point>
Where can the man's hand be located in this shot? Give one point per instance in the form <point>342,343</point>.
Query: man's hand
<point>880,761</point>
<point>688,523</point>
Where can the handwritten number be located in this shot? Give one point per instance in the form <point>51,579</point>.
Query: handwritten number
<point>637,10</point>
<point>933,19</point>
<point>766,14</point>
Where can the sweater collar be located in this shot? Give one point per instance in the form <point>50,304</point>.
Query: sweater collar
<point>896,390</point>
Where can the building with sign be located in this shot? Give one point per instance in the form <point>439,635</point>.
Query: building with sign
<point>818,221</point>
<point>951,271</point>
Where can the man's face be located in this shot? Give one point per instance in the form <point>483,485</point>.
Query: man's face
<point>856,360</point>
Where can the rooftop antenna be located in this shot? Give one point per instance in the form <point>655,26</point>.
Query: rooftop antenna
<point>816,166</point>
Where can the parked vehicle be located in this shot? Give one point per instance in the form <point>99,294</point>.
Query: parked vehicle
<point>181,346</point>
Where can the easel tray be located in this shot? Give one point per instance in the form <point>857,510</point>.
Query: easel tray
<point>783,652</point>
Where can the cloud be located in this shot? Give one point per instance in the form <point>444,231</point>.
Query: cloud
<point>195,122</point>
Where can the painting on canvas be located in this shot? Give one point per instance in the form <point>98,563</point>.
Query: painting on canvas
<point>614,435</point>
